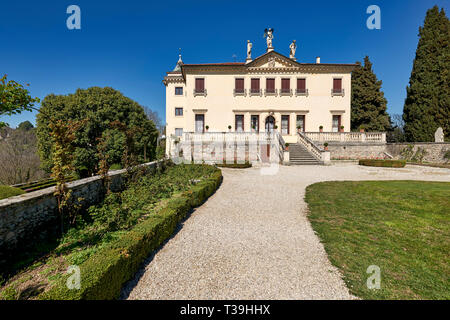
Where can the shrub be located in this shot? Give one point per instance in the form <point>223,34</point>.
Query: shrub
<point>382,163</point>
<point>235,165</point>
<point>407,152</point>
<point>116,166</point>
<point>105,272</point>
<point>419,155</point>
<point>447,155</point>
<point>7,191</point>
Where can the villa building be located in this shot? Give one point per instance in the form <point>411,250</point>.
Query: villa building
<point>269,101</point>
<point>258,95</point>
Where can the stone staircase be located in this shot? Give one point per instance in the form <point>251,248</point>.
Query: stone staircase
<point>299,155</point>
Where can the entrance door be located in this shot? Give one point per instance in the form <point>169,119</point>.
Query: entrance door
<point>199,123</point>
<point>265,152</point>
<point>336,123</point>
<point>270,122</point>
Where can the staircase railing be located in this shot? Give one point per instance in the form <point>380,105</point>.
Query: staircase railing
<point>309,145</point>
<point>281,145</point>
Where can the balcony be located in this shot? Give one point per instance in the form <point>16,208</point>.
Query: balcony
<point>200,92</point>
<point>239,92</point>
<point>301,92</point>
<point>286,92</point>
<point>255,92</point>
<point>270,92</point>
<point>337,92</point>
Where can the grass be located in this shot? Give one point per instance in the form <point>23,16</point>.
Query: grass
<point>401,226</point>
<point>7,191</point>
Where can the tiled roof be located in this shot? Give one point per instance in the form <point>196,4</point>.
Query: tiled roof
<point>214,64</point>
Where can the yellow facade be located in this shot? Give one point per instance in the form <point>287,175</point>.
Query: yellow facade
<point>219,104</point>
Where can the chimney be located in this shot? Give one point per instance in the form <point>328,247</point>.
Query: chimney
<point>318,60</point>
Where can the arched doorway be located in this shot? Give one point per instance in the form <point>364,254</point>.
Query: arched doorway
<point>270,122</point>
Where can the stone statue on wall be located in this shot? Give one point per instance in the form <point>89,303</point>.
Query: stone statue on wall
<point>268,34</point>
<point>249,50</point>
<point>439,135</point>
<point>293,48</point>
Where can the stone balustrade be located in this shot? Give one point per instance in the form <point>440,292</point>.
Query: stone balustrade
<point>344,137</point>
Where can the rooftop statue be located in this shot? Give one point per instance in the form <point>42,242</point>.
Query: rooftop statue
<point>293,48</point>
<point>268,34</point>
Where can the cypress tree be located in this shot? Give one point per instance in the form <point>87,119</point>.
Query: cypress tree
<point>368,102</point>
<point>427,104</point>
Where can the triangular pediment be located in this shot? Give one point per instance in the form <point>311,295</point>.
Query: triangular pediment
<point>272,60</point>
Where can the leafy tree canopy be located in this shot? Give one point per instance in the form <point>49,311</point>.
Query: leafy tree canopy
<point>368,102</point>
<point>99,108</point>
<point>14,98</point>
<point>427,104</point>
<point>26,125</point>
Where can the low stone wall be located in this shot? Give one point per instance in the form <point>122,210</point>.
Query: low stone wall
<point>32,217</point>
<point>342,151</point>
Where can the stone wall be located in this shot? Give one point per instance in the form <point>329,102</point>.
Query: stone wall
<point>32,217</point>
<point>434,151</point>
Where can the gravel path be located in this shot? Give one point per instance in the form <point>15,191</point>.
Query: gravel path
<point>252,240</point>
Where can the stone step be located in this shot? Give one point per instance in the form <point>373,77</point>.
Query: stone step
<point>299,155</point>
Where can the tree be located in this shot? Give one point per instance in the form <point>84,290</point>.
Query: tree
<point>100,107</point>
<point>19,161</point>
<point>14,98</point>
<point>367,101</point>
<point>154,116</point>
<point>397,133</point>
<point>427,104</point>
<point>26,125</point>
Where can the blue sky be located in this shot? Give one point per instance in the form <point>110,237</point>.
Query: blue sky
<point>129,45</point>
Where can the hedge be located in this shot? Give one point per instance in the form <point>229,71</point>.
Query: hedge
<point>234,165</point>
<point>103,274</point>
<point>382,163</point>
<point>7,191</point>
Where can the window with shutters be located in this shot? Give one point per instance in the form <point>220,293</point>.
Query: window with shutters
<point>239,85</point>
<point>285,86</point>
<point>199,87</point>
<point>270,85</point>
<point>255,88</point>
<point>337,87</point>
<point>301,86</point>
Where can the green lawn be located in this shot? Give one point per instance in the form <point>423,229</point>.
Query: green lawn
<point>401,226</point>
<point>7,191</point>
